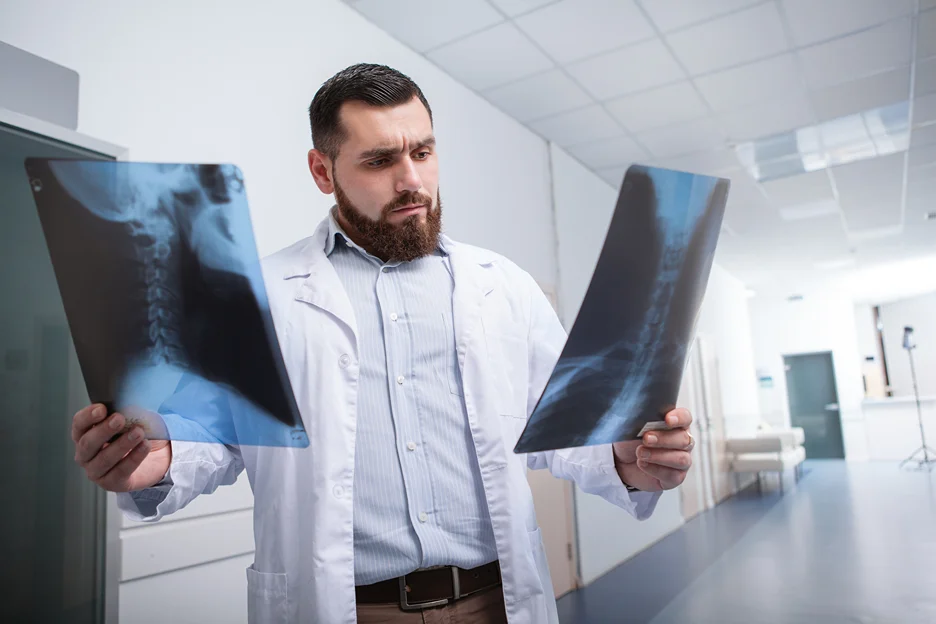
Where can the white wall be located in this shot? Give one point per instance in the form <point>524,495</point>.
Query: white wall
<point>816,324</point>
<point>231,81</point>
<point>584,204</point>
<point>919,313</point>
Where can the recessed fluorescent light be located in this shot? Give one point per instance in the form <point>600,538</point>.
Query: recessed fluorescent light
<point>750,293</point>
<point>870,134</point>
<point>810,210</point>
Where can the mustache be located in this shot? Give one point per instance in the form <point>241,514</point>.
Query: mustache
<point>406,199</point>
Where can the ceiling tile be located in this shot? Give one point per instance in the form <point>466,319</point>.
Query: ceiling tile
<point>491,58</point>
<point>923,135</point>
<point>672,14</point>
<point>924,109</point>
<point>806,188</point>
<point>864,94</point>
<point>870,192</point>
<point>684,138</point>
<point>925,76</point>
<point>811,21</point>
<point>659,107</point>
<point>575,29</point>
<point>426,24</point>
<point>768,118</point>
<point>636,68</point>
<point>926,35</point>
<point>619,151</point>
<point>924,156</point>
<point>613,175</point>
<point>579,126</point>
<point>862,54</point>
<point>764,80</point>
<point>721,162</point>
<point>516,7</point>
<point>744,36</point>
<point>538,96</point>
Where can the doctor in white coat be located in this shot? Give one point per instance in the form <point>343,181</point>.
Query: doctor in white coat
<point>415,361</point>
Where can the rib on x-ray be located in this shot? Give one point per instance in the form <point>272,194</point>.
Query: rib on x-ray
<point>159,276</point>
<point>622,365</point>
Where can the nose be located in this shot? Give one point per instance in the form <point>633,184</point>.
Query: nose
<point>408,179</point>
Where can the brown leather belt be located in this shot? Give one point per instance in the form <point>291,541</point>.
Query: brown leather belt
<point>432,587</point>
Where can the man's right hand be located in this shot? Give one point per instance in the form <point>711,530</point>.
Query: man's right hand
<point>128,463</point>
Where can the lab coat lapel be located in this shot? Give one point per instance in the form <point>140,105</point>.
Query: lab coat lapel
<point>474,283</point>
<point>320,286</point>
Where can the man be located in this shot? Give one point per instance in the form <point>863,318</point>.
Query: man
<point>415,361</point>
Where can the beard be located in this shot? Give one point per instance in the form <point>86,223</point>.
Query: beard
<point>406,241</point>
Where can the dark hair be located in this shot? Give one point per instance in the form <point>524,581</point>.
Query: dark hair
<point>377,85</point>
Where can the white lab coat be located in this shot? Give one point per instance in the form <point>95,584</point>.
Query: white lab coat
<point>508,339</point>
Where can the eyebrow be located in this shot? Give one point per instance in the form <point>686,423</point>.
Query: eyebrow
<point>385,152</point>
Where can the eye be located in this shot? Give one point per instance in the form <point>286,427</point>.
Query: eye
<point>423,155</point>
<point>374,164</point>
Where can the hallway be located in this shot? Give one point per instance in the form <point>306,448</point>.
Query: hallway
<point>850,543</point>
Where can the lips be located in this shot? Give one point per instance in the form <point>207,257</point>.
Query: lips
<point>409,207</point>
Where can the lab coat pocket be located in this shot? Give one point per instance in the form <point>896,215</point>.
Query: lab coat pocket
<point>266,597</point>
<point>508,359</point>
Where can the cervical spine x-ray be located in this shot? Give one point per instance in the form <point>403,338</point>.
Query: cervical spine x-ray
<point>159,275</point>
<point>622,365</point>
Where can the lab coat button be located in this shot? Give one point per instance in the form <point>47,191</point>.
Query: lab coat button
<point>344,361</point>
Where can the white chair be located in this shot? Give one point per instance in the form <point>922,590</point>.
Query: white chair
<point>768,451</point>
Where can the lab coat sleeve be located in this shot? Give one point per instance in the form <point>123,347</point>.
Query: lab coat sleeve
<point>196,467</point>
<point>591,467</point>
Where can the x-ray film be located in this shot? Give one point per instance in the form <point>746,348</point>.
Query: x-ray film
<point>161,283</point>
<point>620,370</point>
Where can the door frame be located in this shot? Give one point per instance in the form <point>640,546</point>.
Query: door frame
<point>45,131</point>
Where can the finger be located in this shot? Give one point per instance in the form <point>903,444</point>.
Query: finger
<point>673,439</point>
<point>680,460</point>
<point>118,478</point>
<point>668,477</point>
<point>93,440</point>
<point>86,418</point>
<point>110,456</point>
<point>679,417</point>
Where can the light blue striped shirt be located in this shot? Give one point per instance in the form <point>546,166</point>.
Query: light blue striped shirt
<point>418,495</point>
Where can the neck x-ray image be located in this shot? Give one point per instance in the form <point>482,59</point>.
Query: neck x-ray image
<point>622,365</point>
<point>159,275</point>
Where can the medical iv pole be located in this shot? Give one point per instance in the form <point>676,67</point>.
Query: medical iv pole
<point>929,455</point>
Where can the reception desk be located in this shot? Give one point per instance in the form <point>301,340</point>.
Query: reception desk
<point>892,428</point>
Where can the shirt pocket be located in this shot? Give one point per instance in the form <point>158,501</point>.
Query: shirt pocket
<point>266,597</point>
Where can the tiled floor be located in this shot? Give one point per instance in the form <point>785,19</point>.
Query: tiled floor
<point>851,543</point>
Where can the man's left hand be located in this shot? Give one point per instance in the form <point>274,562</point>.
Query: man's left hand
<point>660,460</point>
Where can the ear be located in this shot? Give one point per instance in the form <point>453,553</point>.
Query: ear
<point>320,166</point>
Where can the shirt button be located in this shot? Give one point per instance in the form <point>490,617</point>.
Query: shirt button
<point>338,491</point>
<point>400,380</point>
<point>393,316</point>
<point>411,446</point>
<point>344,360</point>
<point>423,516</point>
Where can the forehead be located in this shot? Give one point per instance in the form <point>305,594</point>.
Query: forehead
<point>367,125</point>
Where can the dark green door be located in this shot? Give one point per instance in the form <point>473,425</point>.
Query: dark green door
<point>814,403</point>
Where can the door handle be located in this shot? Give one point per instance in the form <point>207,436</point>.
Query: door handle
<point>831,407</point>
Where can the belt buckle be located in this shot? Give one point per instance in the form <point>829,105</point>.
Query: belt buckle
<point>419,606</point>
